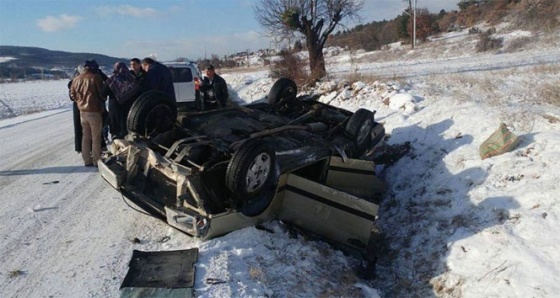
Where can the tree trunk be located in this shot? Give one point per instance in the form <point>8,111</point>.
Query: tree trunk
<point>316,61</point>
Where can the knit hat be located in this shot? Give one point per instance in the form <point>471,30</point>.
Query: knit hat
<point>88,64</point>
<point>91,64</point>
<point>94,63</point>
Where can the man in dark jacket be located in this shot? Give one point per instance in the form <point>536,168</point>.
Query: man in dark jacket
<point>158,77</point>
<point>214,88</point>
<point>136,70</point>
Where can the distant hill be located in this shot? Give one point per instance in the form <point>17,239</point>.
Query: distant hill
<point>39,57</point>
<point>38,63</point>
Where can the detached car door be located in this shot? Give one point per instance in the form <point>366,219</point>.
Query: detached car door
<point>340,209</point>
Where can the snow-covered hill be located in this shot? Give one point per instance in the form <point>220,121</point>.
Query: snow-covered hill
<point>452,225</point>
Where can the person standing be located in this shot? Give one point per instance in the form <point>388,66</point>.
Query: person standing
<point>76,113</point>
<point>136,70</point>
<point>86,92</point>
<point>214,88</point>
<point>104,114</point>
<point>122,89</point>
<point>158,77</point>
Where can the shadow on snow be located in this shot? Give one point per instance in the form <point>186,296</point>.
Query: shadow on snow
<point>426,209</point>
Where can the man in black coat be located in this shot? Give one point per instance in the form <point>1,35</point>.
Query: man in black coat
<point>136,70</point>
<point>158,77</point>
<point>214,88</point>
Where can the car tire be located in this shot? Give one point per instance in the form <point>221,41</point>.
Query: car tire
<point>152,113</point>
<point>359,129</point>
<point>283,90</point>
<point>251,177</point>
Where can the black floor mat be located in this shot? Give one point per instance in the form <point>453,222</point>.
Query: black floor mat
<point>161,269</point>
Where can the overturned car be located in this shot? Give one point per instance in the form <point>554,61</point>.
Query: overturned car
<point>291,158</point>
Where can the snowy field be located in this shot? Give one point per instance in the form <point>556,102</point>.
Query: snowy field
<point>453,225</point>
<point>30,97</point>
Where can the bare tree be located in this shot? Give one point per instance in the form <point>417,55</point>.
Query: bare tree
<point>315,19</point>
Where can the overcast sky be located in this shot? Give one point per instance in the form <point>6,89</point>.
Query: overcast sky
<point>166,28</point>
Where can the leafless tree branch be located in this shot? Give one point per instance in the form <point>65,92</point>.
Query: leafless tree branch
<point>314,19</point>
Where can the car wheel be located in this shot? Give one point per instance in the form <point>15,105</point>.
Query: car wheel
<point>152,113</point>
<point>251,177</point>
<point>283,90</point>
<point>359,128</point>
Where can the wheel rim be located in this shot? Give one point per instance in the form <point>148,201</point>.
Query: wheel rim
<point>258,172</point>
<point>365,130</point>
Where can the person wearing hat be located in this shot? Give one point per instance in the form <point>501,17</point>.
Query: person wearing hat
<point>86,92</point>
<point>214,88</point>
<point>105,113</point>
<point>122,90</point>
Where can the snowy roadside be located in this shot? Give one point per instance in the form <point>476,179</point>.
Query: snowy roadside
<point>456,225</point>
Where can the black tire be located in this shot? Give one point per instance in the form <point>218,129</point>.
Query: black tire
<point>152,113</point>
<point>283,90</point>
<point>359,128</point>
<point>251,177</point>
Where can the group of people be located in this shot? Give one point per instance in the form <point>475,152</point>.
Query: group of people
<point>90,89</point>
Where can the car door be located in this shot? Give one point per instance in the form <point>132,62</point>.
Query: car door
<point>183,83</point>
<point>341,208</point>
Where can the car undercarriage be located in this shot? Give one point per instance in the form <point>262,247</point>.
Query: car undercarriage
<point>292,158</point>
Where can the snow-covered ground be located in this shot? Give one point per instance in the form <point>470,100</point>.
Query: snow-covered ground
<point>30,97</point>
<point>452,225</point>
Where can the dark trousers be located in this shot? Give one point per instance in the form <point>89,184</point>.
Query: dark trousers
<point>118,114</point>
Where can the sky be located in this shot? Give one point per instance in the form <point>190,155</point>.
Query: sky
<point>166,29</point>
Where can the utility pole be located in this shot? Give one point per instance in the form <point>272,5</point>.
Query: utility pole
<point>414,27</point>
<point>412,6</point>
<point>248,61</point>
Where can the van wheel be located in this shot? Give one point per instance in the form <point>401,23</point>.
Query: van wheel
<point>283,90</point>
<point>251,177</point>
<point>152,113</point>
<point>359,128</point>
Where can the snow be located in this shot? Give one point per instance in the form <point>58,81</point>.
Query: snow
<point>249,87</point>
<point>6,59</point>
<point>453,225</point>
<point>29,97</point>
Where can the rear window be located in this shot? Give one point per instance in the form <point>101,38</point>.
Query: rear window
<point>181,75</point>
